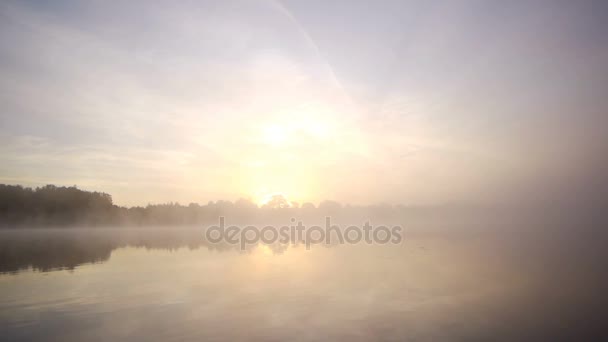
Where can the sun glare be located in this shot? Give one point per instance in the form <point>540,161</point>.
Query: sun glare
<point>275,135</point>
<point>267,199</point>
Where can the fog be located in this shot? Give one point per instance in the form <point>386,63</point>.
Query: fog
<point>472,132</point>
<point>416,103</point>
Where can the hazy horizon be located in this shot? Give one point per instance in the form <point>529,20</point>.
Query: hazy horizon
<point>449,161</point>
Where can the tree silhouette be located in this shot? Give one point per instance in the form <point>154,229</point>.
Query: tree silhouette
<point>277,202</point>
<point>52,205</point>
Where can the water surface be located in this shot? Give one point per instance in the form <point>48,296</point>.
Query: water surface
<point>169,284</point>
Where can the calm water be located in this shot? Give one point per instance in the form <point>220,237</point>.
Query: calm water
<point>169,285</point>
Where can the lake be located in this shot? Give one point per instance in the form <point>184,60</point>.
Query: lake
<point>169,284</point>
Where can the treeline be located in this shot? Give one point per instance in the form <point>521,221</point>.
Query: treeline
<point>58,206</point>
<point>52,205</point>
<point>69,206</point>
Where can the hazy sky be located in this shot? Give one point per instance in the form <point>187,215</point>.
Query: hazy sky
<point>414,102</point>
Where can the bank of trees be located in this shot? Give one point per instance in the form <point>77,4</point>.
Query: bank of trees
<point>51,205</point>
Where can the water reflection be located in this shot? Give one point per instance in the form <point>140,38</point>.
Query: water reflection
<point>170,284</point>
<point>51,249</point>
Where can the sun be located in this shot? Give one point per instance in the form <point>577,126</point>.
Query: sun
<point>275,135</point>
<point>274,200</point>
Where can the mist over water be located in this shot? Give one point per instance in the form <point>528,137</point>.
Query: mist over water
<point>511,272</point>
<point>476,127</point>
<point>446,283</point>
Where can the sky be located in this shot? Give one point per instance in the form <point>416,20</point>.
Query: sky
<point>411,102</point>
